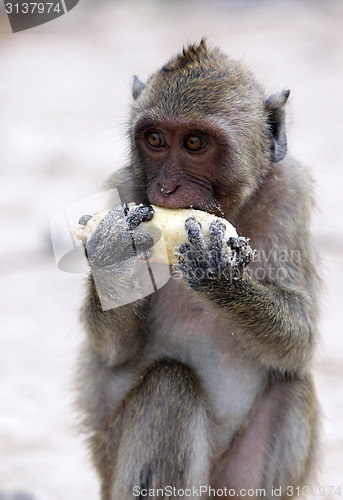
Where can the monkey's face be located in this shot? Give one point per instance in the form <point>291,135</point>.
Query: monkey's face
<point>203,134</point>
<point>179,161</point>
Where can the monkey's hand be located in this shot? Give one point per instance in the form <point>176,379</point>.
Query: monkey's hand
<point>114,240</point>
<point>220,259</point>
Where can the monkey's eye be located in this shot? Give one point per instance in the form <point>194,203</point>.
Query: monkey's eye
<point>155,140</point>
<point>195,142</point>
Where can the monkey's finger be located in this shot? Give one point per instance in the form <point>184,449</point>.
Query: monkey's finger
<point>184,254</point>
<point>217,249</point>
<point>242,253</point>
<point>184,250</point>
<point>111,224</point>
<point>186,268</point>
<point>143,240</point>
<point>194,233</point>
<point>191,263</point>
<point>239,244</point>
<point>246,253</point>
<point>236,243</point>
<point>140,214</point>
<point>125,208</point>
<point>84,219</point>
<point>217,231</point>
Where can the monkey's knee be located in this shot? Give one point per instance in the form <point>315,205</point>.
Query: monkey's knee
<point>164,433</point>
<point>274,453</point>
<point>293,441</point>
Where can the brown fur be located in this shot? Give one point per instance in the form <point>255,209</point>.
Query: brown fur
<point>211,385</point>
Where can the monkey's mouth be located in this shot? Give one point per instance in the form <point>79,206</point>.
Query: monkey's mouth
<point>207,209</point>
<point>206,201</point>
<point>211,208</point>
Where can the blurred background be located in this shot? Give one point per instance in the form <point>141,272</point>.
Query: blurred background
<point>65,89</point>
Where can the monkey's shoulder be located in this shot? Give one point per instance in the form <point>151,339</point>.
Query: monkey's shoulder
<point>279,212</point>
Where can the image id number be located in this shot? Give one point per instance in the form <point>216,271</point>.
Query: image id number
<point>32,7</point>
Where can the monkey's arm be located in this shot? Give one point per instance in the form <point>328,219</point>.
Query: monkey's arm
<point>275,320</point>
<point>117,334</point>
<point>278,322</point>
<point>113,309</point>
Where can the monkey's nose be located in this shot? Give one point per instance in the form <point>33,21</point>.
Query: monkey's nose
<point>167,190</point>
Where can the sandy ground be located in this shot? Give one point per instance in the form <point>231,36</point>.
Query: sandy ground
<point>64,96</point>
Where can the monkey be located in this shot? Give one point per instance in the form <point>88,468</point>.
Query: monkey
<point>206,382</point>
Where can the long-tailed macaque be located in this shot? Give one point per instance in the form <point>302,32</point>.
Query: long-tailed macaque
<point>206,382</point>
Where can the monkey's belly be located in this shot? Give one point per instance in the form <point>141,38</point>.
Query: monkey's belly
<point>193,335</point>
<point>180,327</point>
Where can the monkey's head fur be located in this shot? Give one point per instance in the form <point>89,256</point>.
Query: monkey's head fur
<point>203,87</point>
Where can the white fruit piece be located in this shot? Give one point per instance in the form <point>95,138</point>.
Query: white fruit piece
<point>172,225</point>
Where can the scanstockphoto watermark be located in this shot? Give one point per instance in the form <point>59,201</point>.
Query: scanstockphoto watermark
<point>277,255</point>
<point>24,15</point>
<point>206,491</point>
<point>274,265</point>
<point>197,491</point>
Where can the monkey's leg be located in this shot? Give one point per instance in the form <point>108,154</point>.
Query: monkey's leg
<point>277,447</point>
<point>157,438</point>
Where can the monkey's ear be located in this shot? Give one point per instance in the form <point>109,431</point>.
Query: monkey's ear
<point>274,106</point>
<point>137,87</point>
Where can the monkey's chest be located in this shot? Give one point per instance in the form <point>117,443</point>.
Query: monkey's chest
<point>184,327</point>
<point>178,317</point>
